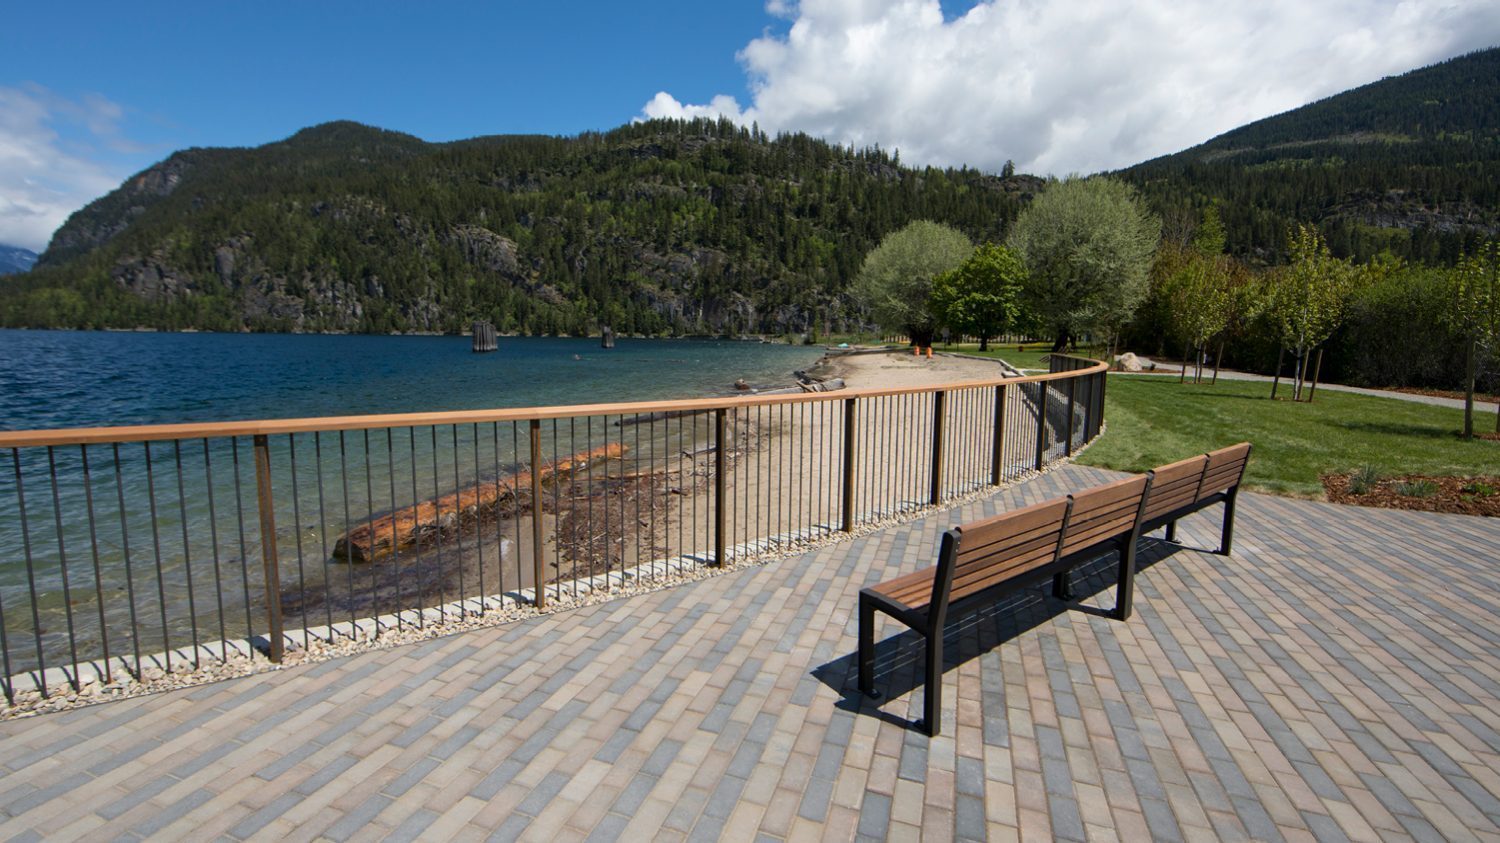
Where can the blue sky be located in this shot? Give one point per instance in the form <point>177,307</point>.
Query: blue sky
<point>91,92</point>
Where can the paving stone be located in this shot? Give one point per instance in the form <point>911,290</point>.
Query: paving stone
<point>1273,694</point>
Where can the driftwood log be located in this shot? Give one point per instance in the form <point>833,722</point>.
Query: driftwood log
<point>425,522</point>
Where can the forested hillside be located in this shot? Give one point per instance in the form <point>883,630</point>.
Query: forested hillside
<point>680,227</point>
<point>1409,165</point>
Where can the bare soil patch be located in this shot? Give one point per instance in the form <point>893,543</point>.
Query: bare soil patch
<point>1420,492</point>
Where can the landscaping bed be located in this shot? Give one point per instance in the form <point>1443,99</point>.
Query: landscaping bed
<point>1421,492</point>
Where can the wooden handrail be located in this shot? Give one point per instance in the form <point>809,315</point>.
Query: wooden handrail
<point>272,427</point>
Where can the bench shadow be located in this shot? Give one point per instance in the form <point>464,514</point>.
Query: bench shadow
<point>971,633</point>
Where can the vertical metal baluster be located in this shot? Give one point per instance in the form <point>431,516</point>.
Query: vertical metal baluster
<point>187,561</point>
<point>390,462</point>
<point>135,633</point>
<point>417,563</point>
<point>720,466</point>
<point>348,523</point>
<point>479,520</point>
<point>515,450</point>
<point>635,430</point>
<point>557,510</point>
<point>5,680</point>
<point>437,511</point>
<point>239,512</point>
<point>88,496</point>
<point>323,533</point>
<point>213,537</point>
<point>499,521</point>
<point>370,531</point>
<point>291,444</point>
<point>1072,386</point>
<point>538,562</point>
<point>161,585</point>
<point>604,502</point>
<point>36,618</point>
<point>62,563</point>
<point>458,526</point>
<point>587,547</point>
<point>997,437</point>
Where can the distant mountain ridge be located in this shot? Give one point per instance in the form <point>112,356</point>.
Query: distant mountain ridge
<point>15,259</point>
<point>655,227</point>
<point>1409,164</point>
<point>698,226</point>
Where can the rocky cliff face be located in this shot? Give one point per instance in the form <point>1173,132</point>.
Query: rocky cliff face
<point>104,219</point>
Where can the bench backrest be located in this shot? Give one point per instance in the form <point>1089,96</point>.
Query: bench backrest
<point>1104,512</point>
<point>995,549</point>
<point>1186,482</point>
<point>1175,486</point>
<point>1224,470</point>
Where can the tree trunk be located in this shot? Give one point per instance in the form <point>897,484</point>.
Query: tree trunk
<point>921,337</point>
<point>1276,380</point>
<point>1186,350</point>
<point>1317,367</point>
<point>1060,342</point>
<point>1218,358</point>
<point>984,343</point>
<point>1469,376</point>
<point>1300,367</point>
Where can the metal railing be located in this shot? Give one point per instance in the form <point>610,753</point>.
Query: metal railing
<point>161,547</point>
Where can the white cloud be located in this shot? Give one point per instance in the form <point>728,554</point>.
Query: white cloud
<point>45,175</point>
<point>1073,85</point>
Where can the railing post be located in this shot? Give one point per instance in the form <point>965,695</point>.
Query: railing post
<point>719,461</point>
<point>938,399</point>
<point>275,631</point>
<point>538,564</point>
<point>1103,382</point>
<point>848,525</point>
<point>1041,425</point>
<point>999,446</point>
<point>1072,388</point>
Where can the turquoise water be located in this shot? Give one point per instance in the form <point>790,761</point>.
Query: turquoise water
<point>163,539</point>
<point>76,378</point>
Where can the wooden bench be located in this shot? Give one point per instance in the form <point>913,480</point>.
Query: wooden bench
<point>1196,483</point>
<point>985,560</point>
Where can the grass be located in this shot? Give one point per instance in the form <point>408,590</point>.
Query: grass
<point>1032,357</point>
<point>1154,420</point>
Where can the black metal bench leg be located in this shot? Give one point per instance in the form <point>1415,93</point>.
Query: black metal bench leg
<point>932,691</point>
<point>1171,531</point>
<point>1226,538</point>
<point>1062,585</point>
<point>1125,585</point>
<point>867,648</point>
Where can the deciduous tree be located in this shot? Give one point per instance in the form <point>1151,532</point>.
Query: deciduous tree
<point>896,279</point>
<point>1087,245</point>
<point>980,297</point>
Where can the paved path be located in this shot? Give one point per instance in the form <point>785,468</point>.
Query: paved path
<point>1480,405</point>
<point>1338,677</point>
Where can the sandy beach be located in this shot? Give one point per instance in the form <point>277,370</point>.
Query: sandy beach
<point>865,370</point>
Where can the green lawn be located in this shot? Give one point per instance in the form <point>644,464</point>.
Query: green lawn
<point>1156,420</point>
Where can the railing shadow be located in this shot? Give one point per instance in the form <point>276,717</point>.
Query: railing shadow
<point>898,658</point>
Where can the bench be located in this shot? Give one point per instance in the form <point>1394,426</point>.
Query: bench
<point>986,560</point>
<point>1196,483</point>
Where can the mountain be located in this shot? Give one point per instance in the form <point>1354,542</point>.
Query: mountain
<point>659,226</point>
<point>1408,164</point>
<point>14,259</point>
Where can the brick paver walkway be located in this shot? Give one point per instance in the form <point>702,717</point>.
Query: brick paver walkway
<point>1339,676</point>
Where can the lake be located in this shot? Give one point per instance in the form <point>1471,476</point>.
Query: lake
<point>80,378</point>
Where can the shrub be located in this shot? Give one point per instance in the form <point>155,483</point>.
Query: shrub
<point>1362,480</point>
<point>1417,489</point>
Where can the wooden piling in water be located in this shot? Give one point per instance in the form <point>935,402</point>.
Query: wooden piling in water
<point>484,337</point>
